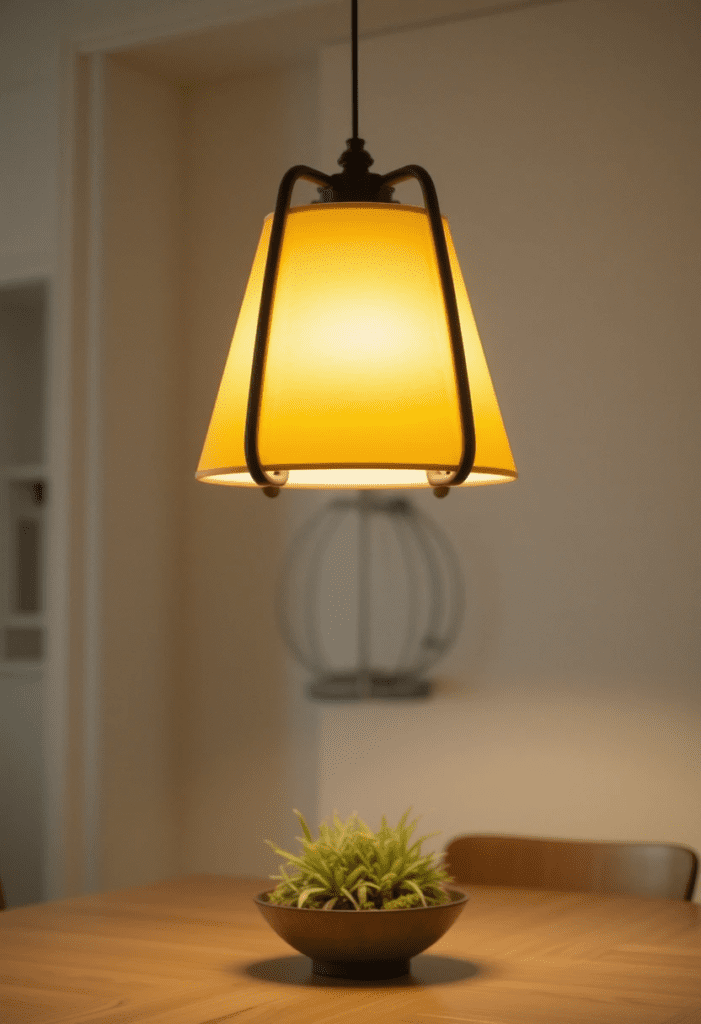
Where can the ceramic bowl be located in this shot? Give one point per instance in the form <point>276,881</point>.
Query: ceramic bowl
<point>364,944</point>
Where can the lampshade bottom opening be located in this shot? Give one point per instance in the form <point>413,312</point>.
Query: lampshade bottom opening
<point>354,478</point>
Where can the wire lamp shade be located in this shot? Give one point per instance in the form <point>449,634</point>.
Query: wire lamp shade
<point>371,598</point>
<point>356,361</point>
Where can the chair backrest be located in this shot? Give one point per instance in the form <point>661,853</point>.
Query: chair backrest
<point>633,869</point>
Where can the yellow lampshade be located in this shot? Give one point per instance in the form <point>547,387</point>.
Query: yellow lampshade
<point>359,388</point>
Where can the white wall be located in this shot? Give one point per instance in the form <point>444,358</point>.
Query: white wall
<point>564,147</point>
<point>33,37</point>
<point>22,321</point>
<point>564,142</point>
<point>28,117</point>
<point>21,789</point>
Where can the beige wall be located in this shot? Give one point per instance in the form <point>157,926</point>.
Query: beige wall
<point>137,478</point>
<point>564,142</point>
<point>194,705</point>
<point>236,743</point>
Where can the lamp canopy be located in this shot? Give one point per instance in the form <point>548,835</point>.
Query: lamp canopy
<point>356,361</point>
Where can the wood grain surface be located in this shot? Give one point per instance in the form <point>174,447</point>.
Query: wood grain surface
<point>196,950</point>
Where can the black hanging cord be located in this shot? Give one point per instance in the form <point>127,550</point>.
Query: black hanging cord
<point>354,59</point>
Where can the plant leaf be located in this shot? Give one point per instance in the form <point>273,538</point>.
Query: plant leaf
<point>416,889</point>
<point>350,897</point>
<point>305,894</point>
<point>303,823</point>
<point>353,877</point>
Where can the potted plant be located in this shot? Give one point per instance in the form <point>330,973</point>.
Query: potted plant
<point>360,903</point>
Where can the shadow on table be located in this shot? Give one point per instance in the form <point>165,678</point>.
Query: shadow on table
<point>425,970</point>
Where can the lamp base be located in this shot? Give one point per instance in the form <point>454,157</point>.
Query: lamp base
<point>376,687</point>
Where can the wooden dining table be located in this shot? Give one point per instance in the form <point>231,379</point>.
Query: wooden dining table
<point>196,950</point>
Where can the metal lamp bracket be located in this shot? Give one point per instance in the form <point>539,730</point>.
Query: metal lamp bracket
<point>357,184</point>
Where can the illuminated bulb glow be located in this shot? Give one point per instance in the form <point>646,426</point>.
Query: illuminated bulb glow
<point>359,387</point>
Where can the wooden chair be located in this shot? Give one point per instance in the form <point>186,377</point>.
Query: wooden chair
<point>633,869</point>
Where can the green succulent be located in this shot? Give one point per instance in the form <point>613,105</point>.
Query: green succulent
<point>349,867</point>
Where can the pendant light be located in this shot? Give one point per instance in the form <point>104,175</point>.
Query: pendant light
<point>356,361</point>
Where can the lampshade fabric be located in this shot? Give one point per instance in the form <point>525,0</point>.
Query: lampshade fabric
<point>359,387</point>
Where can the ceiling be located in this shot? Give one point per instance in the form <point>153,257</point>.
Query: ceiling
<point>294,35</point>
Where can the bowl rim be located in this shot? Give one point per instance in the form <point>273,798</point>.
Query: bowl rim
<point>463,898</point>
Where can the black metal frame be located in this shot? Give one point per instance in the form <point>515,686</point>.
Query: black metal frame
<point>356,184</point>
<point>272,484</point>
<point>441,478</point>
